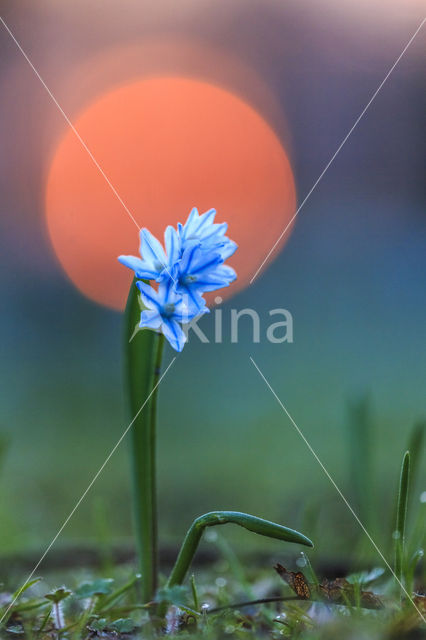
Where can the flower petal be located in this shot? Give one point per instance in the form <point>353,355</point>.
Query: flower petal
<point>172,243</point>
<point>193,300</point>
<point>205,262</point>
<point>209,280</point>
<point>189,255</point>
<point>211,283</point>
<point>165,292</point>
<point>205,219</point>
<point>174,334</point>
<point>185,313</point>
<point>228,249</point>
<point>189,304</point>
<point>149,296</point>
<point>132,262</point>
<point>225,271</point>
<point>150,319</point>
<point>216,231</point>
<point>151,249</point>
<point>190,225</point>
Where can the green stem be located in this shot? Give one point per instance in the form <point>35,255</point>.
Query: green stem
<point>142,358</point>
<point>153,428</point>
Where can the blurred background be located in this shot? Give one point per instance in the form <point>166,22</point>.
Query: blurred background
<point>351,272</point>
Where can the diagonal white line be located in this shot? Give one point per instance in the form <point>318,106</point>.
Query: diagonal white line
<point>78,503</point>
<point>339,148</point>
<point>299,431</point>
<point>76,133</point>
<point>78,136</point>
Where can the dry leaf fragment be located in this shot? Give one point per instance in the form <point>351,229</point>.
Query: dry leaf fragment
<point>296,581</point>
<point>337,591</point>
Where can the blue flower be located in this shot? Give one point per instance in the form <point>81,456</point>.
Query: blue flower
<point>154,264</point>
<point>165,310</point>
<point>191,264</point>
<point>198,271</point>
<point>203,229</point>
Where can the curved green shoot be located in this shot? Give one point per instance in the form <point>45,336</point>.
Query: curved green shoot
<point>213,518</point>
<point>401,514</point>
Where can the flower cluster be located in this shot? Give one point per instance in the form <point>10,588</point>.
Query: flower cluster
<point>191,264</point>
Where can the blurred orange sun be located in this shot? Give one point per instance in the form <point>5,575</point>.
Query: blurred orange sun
<point>166,144</point>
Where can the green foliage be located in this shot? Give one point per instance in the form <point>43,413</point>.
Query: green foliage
<point>177,595</point>
<point>271,616</point>
<point>99,624</point>
<point>108,601</point>
<point>213,518</point>
<point>410,569</point>
<point>305,562</point>
<point>194,593</point>
<point>24,588</point>
<point>58,595</point>
<point>122,625</point>
<point>360,450</point>
<point>401,515</point>
<point>366,578</point>
<point>98,587</point>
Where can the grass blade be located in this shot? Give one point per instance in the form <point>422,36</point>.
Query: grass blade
<point>401,514</point>
<point>360,429</point>
<point>195,594</point>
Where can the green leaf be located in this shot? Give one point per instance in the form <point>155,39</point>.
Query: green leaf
<point>98,625</point>
<point>45,620</point>
<point>96,588</point>
<point>29,605</point>
<point>24,588</point>
<point>177,595</point>
<point>122,625</point>
<point>401,514</point>
<point>110,599</point>
<point>365,578</point>
<point>58,595</point>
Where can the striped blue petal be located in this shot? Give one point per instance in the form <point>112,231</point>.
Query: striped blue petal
<point>149,296</point>
<point>150,319</point>
<point>172,243</point>
<point>152,250</point>
<point>174,333</point>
